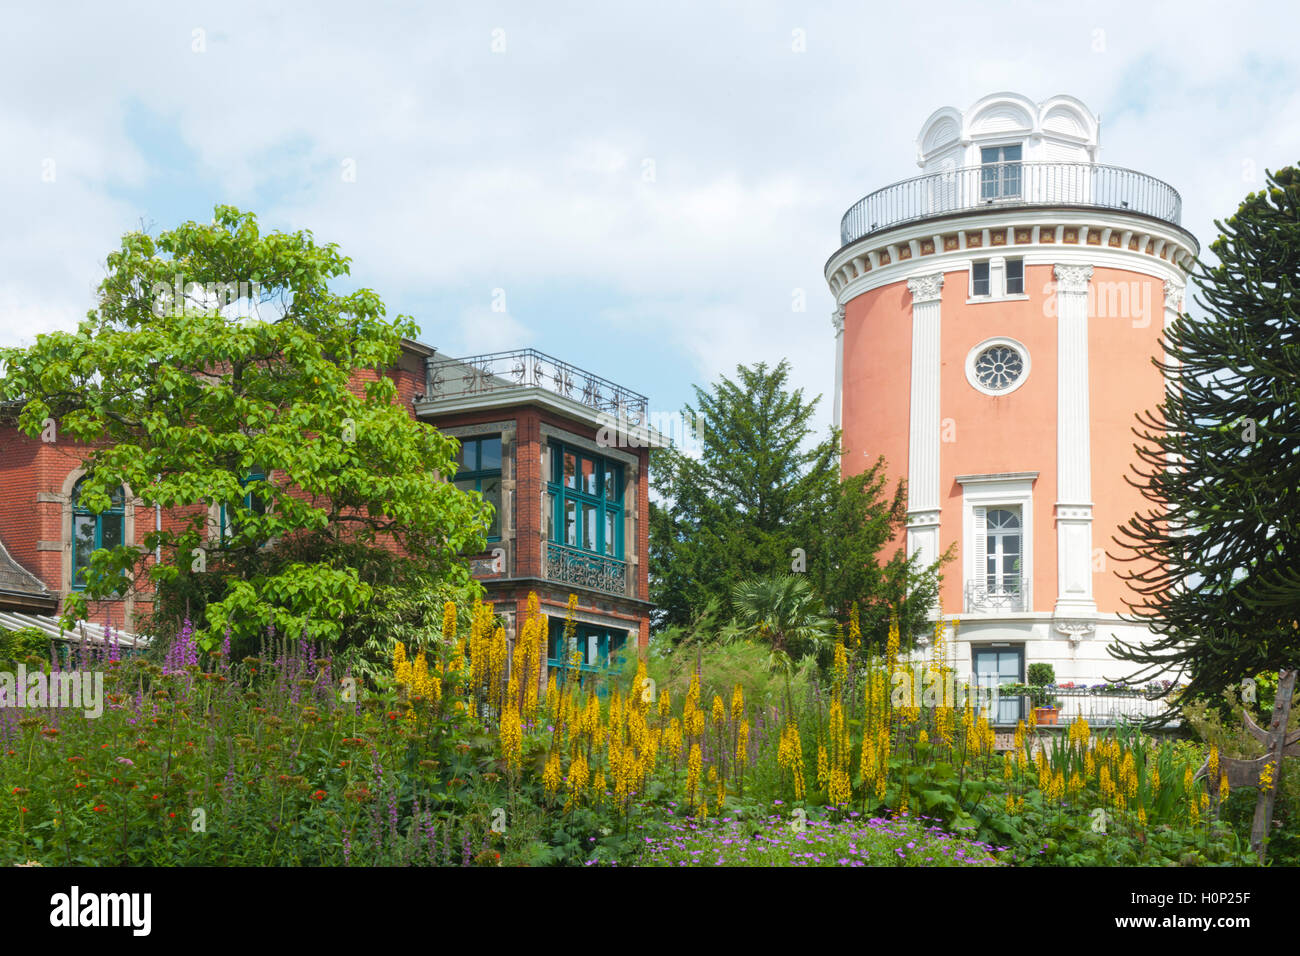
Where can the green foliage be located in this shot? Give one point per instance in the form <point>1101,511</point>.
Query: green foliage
<point>751,498</point>
<point>765,498</point>
<point>721,666</point>
<point>24,644</point>
<point>1219,584</point>
<point>1220,724</point>
<point>861,520</point>
<point>183,401</point>
<point>783,611</point>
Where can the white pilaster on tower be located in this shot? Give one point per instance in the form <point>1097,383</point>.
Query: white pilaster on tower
<point>923,439</point>
<point>1074,462</point>
<point>837,322</point>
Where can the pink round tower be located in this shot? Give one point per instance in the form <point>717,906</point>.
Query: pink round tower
<point>995,322</point>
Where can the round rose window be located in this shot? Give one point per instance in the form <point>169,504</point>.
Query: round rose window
<point>999,367</point>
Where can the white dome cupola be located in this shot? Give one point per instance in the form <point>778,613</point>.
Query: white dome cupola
<point>1008,127</point>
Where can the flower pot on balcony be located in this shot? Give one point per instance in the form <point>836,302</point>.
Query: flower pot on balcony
<point>1046,715</point>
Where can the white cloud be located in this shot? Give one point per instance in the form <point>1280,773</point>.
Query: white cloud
<point>479,170</point>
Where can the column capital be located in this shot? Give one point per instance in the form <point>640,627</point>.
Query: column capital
<point>925,288</point>
<point>1174,295</point>
<point>837,319</point>
<point>1072,278</point>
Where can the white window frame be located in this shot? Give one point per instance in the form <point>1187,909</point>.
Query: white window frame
<point>1010,490</point>
<point>997,282</point>
<point>978,350</point>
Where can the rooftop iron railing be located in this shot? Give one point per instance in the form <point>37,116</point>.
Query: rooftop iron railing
<point>528,368</point>
<point>1010,185</point>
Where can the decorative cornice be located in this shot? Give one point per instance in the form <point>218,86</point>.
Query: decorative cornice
<point>1072,279</point>
<point>925,288</point>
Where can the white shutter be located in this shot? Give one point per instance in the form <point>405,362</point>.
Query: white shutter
<point>979,574</point>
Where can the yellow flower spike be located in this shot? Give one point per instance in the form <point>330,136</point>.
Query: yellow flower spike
<point>1212,767</point>
<point>449,622</point>
<point>693,766</point>
<point>742,744</point>
<point>737,703</point>
<point>1266,777</point>
<point>511,738</point>
<point>665,703</point>
<point>719,711</point>
<point>1223,785</point>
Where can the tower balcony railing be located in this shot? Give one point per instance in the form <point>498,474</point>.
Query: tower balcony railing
<point>1010,186</point>
<point>1010,596</point>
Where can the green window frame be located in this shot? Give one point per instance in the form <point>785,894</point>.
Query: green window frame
<point>253,504</point>
<point>608,641</point>
<point>584,501</point>
<point>92,532</point>
<point>478,468</point>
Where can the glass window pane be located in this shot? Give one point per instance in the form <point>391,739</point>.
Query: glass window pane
<point>612,490</point>
<point>548,517</point>
<point>571,524</point>
<point>588,476</point>
<point>110,535</point>
<point>461,452</point>
<point>989,154</point>
<point>466,484</point>
<point>83,542</point>
<point>1015,276</point>
<point>492,492</point>
<point>1011,154</point>
<point>1009,667</point>
<point>570,470</point>
<point>611,535</point>
<point>980,278</point>
<point>489,454</point>
<point>589,527</point>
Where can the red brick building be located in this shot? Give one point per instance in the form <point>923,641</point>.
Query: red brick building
<point>563,455</point>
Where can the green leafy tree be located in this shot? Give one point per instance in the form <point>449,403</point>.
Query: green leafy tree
<point>784,611</point>
<point>764,498</point>
<point>1217,557</point>
<point>219,374</point>
<point>753,496</point>
<point>863,520</point>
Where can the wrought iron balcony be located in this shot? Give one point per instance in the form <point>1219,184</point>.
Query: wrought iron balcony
<point>1011,597</point>
<point>586,570</point>
<point>1010,185</point>
<point>520,369</point>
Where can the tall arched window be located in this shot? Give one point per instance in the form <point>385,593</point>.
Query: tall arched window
<point>91,531</point>
<point>1002,551</point>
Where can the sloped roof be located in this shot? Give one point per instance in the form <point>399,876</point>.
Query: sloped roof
<point>19,586</point>
<point>94,633</point>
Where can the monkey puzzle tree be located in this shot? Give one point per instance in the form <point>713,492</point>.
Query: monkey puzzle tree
<point>272,441</point>
<point>1218,556</point>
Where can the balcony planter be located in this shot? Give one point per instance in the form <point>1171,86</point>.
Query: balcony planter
<point>1046,716</point>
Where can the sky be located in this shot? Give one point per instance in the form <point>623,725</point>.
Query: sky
<point>650,191</point>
